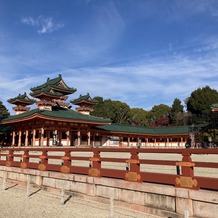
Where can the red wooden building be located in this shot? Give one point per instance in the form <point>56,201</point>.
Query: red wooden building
<point>53,122</point>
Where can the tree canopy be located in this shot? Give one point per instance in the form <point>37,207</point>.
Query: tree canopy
<point>158,112</point>
<point>177,110</point>
<point>199,104</point>
<point>117,111</point>
<point>138,117</point>
<point>201,100</point>
<point>3,111</point>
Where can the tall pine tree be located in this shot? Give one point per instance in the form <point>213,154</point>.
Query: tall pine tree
<point>176,111</point>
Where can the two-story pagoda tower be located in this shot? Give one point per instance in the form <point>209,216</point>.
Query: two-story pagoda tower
<point>21,102</point>
<point>85,103</point>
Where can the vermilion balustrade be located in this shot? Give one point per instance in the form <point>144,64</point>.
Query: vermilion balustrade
<point>129,168</point>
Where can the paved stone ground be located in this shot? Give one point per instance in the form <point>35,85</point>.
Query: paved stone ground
<point>42,204</point>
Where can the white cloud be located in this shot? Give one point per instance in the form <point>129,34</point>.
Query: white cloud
<point>140,82</point>
<point>43,24</point>
<point>139,85</point>
<point>146,84</point>
<point>177,11</point>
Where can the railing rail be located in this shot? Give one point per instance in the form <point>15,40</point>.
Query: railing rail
<point>120,163</point>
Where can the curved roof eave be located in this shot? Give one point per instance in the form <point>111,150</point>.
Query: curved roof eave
<point>22,101</point>
<point>72,120</point>
<point>83,101</point>
<point>134,130</point>
<point>75,117</point>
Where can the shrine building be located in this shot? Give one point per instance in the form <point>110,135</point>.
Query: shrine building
<point>54,123</point>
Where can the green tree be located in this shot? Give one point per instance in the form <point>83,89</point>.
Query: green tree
<point>3,111</point>
<point>201,99</point>
<point>117,111</point>
<point>157,112</point>
<point>199,104</point>
<point>138,116</point>
<point>98,108</point>
<point>176,113</point>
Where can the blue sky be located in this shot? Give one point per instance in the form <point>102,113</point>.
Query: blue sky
<point>142,52</point>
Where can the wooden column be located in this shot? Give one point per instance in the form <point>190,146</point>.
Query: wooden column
<point>42,136</point>
<point>181,142</point>
<point>79,138</point>
<point>13,138</point>
<point>128,143</point>
<point>34,137</point>
<point>93,142</point>
<point>88,135</point>
<point>68,138</point>
<point>167,143</point>
<point>26,138</point>
<point>19,139</point>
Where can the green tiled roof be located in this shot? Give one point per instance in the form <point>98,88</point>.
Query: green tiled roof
<point>126,129</point>
<point>71,114</point>
<point>64,89</point>
<point>83,98</point>
<point>53,83</point>
<point>20,116</point>
<point>21,98</point>
<point>48,91</point>
<point>58,113</point>
<point>172,130</point>
<point>144,130</point>
<point>48,82</point>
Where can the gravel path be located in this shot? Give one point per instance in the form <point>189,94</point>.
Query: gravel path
<point>15,203</point>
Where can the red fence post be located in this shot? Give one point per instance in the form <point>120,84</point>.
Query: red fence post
<point>44,160</point>
<point>66,162</point>
<point>10,158</point>
<point>134,167</point>
<point>95,169</point>
<point>186,180</point>
<point>25,160</point>
<point>187,167</point>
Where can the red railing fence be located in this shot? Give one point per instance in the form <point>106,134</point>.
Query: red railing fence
<point>130,164</point>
